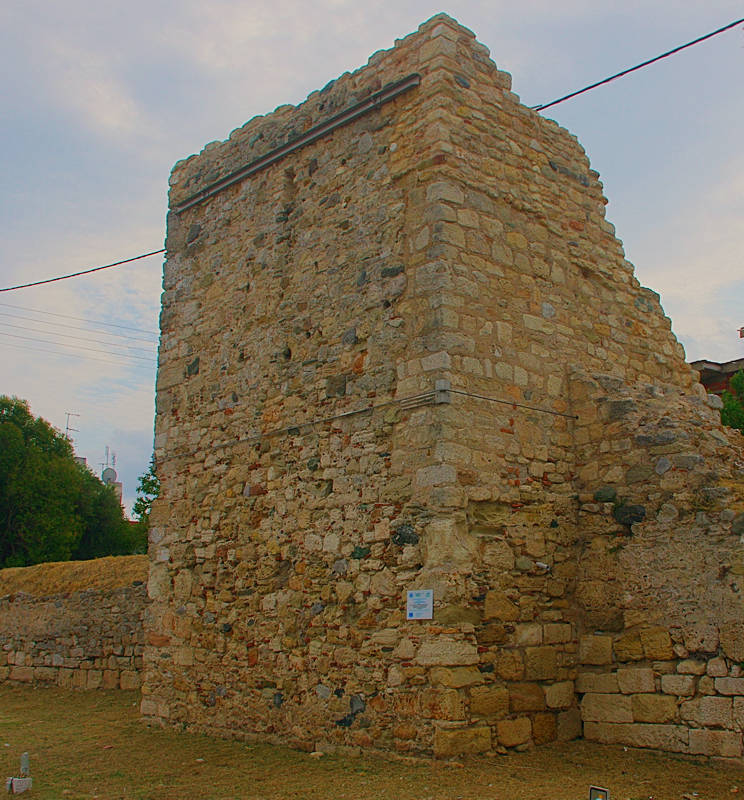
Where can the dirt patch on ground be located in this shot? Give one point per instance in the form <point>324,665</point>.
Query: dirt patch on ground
<point>95,745</point>
<point>66,577</point>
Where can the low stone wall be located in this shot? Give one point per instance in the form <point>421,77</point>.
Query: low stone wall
<point>87,639</point>
<point>645,690</point>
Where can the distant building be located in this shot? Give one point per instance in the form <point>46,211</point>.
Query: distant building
<point>717,377</point>
<point>108,476</point>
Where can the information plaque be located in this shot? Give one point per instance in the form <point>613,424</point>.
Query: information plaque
<point>420,604</point>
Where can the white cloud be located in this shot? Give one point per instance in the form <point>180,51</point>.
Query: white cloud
<point>84,84</point>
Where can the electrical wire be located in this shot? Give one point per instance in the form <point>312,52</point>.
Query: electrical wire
<point>75,355</point>
<point>539,107</point>
<point>55,325</point>
<point>129,348</point>
<point>94,329</point>
<point>79,319</point>
<point>82,272</point>
<point>543,106</point>
<point>78,347</point>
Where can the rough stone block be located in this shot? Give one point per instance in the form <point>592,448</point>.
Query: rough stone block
<point>739,713</point>
<point>459,741</point>
<point>701,637</point>
<point>568,725</point>
<point>628,647</point>
<point>544,728</point>
<point>489,701</point>
<point>22,674</point>
<point>634,680</point>
<point>442,704</point>
<point>455,677</point>
<point>79,679</point>
<point>657,644</point>
<point>513,732</point>
<point>45,674</point>
<point>557,632</point>
<point>730,686</point>
<point>64,678</point>
<point>654,708</point>
<point>691,666</point>
<point>595,650</point>
<point>526,697</point>
<point>540,663</point>
<point>529,635</point>
<point>599,682</point>
<point>499,606</point>
<point>559,695</point>
<point>682,685</point>
<point>129,679</point>
<point>606,708</point>
<point>110,679</point>
<point>715,743</point>
<point>94,679</point>
<point>732,640</point>
<point>183,656</point>
<point>446,652</point>
<point>673,738</point>
<point>708,712</point>
<point>717,668</point>
<point>509,665</point>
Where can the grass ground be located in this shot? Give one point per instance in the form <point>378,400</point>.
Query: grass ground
<point>94,745</point>
<point>66,577</point>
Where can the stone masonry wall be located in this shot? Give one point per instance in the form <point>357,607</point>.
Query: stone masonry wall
<point>661,493</point>
<point>84,640</point>
<point>312,473</point>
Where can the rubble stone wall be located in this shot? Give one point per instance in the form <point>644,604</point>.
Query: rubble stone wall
<point>85,640</point>
<point>660,568</point>
<point>314,466</point>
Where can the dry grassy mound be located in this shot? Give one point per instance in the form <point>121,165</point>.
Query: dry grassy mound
<point>66,577</point>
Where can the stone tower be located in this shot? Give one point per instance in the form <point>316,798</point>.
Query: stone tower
<point>402,350</point>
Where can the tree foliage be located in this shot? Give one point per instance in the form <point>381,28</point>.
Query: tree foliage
<point>732,413</point>
<point>51,507</point>
<point>148,488</point>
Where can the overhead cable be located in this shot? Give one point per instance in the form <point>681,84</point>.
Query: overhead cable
<point>405,84</point>
<point>57,326</point>
<point>543,106</point>
<point>85,356</point>
<point>79,319</point>
<point>79,347</point>
<point>127,348</point>
<point>81,272</point>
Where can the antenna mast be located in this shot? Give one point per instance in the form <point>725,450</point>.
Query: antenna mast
<point>69,429</point>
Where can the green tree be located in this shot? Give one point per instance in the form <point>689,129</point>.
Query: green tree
<point>105,530</point>
<point>148,488</point>
<point>51,508</point>
<point>732,413</point>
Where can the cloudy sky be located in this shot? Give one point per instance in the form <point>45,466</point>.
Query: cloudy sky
<point>100,99</point>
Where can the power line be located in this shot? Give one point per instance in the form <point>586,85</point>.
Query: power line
<point>79,347</point>
<point>81,272</point>
<point>543,106</point>
<point>55,325</point>
<point>85,356</point>
<point>539,107</point>
<point>129,348</point>
<point>79,319</point>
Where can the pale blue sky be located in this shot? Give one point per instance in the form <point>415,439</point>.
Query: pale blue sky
<point>100,99</point>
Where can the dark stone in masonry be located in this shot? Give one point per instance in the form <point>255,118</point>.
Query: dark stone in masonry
<point>629,514</point>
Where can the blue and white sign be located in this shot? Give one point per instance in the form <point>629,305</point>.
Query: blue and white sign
<point>420,604</point>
